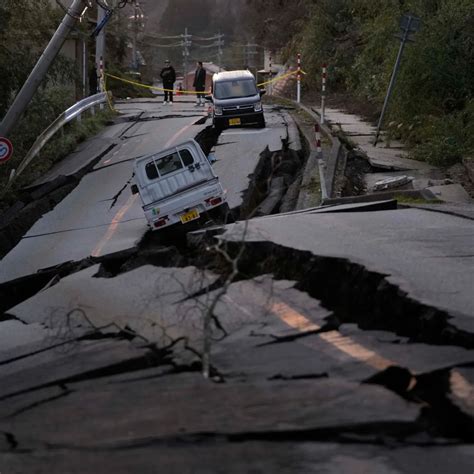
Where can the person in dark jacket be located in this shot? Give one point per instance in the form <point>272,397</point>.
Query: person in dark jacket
<point>199,84</point>
<point>168,75</point>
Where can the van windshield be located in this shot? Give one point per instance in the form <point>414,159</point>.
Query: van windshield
<point>235,89</point>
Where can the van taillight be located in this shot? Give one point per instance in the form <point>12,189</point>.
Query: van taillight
<point>213,201</point>
<point>161,222</point>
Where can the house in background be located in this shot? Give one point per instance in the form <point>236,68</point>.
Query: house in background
<point>187,82</point>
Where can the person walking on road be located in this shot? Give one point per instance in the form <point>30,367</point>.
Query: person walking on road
<point>168,76</point>
<point>199,84</point>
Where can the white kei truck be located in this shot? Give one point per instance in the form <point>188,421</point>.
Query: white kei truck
<point>178,185</point>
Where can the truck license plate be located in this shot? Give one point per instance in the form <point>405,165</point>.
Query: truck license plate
<point>189,216</point>
<point>234,121</point>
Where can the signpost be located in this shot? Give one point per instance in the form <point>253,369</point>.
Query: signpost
<point>6,150</point>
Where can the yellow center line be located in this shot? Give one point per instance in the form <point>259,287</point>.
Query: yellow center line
<point>113,226</point>
<point>462,389</point>
<point>292,318</point>
<point>344,344</point>
<point>177,134</point>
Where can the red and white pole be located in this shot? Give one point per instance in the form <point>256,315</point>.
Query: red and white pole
<point>319,149</point>
<point>323,93</point>
<point>270,84</point>
<point>298,81</point>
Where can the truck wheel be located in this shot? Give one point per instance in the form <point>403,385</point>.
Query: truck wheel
<point>261,122</point>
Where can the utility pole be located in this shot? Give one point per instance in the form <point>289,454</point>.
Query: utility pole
<point>135,36</point>
<point>219,44</point>
<point>250,56</point>
<point>23,98</point>
<point>186,44</point>
<point>100,48</point>
<point>409,24</point>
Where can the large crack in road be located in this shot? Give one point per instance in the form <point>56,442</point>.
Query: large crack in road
<point>350,292</point>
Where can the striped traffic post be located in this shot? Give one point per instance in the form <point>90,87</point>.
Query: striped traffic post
<point>319,149</point>
<point>323,93</point>
<point>298,81</point>
<point>271,74</point>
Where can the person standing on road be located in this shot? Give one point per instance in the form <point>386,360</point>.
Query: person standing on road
<point>199,83</point>
<point>168,76</point>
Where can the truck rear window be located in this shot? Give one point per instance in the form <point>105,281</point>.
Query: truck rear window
<point>169,163</point>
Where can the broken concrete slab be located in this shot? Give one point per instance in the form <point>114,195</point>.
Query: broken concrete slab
<point>142,299</point>
<point>15,333</point>
<point>231,409</point>
<point>348,353</point>
<point>421,178</point>
<point>274,305</point>
<point>78,160</point>
<point>247,456</point>
<point>397,163</point>
<point>451,193</point>
<point>406,245</point>
<point>454,209</point>
<point>84,359</point>
<point>397,351</point>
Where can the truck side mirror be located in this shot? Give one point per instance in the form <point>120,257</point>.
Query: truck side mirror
<point>262,92</point>
<point>208,98</point>
<point>134,189</point>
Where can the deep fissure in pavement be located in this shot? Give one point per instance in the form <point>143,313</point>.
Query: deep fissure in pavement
<point>439,417</point>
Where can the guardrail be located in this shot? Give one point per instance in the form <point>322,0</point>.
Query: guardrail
<point>67,116</point>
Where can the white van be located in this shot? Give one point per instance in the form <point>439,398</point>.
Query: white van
<point>236,100</point>
<point>178,185</point>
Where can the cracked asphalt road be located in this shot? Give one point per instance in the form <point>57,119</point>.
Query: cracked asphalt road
<point>337,348</point>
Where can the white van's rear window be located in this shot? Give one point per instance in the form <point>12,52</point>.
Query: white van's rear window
<point>169,164</point>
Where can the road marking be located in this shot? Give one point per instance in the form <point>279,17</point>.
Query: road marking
<point>462,389</point>
<point>113,226</point>
<point>177,134</point>
<point>292,318</point>
<point>344,344</point>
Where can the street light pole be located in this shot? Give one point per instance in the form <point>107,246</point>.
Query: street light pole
<point>41,68</point>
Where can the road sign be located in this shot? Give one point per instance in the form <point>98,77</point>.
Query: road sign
<point>6,149</point>
<point>411,23</point>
